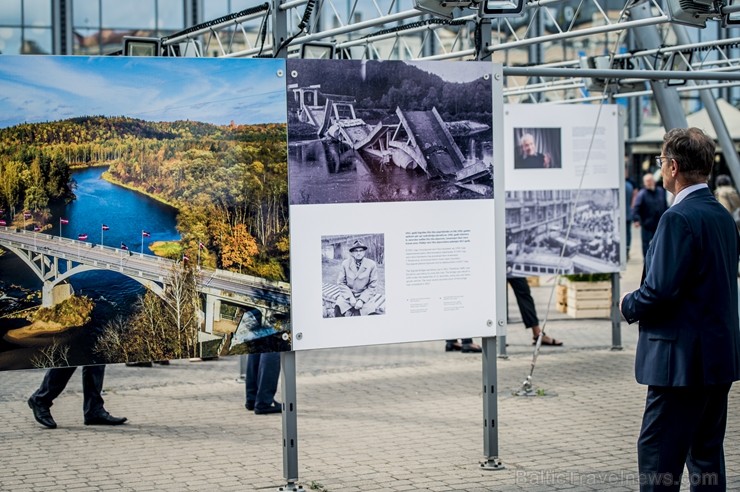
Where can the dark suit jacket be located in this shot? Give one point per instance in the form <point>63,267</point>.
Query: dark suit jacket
<point>687,304</point>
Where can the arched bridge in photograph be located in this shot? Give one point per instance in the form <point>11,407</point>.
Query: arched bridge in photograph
<point>55,259</point>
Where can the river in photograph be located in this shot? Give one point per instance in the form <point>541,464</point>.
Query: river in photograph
<point>324,171</point>
<point>126,213</point>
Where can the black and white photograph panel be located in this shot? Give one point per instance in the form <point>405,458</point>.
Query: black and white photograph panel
<point>537,148</point>
<point>353,275</point>
<point>538,241</point>
<point>385,131</point>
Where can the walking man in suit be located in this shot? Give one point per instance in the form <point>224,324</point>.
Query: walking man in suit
<point>688,350</point>
<point>54,383</point>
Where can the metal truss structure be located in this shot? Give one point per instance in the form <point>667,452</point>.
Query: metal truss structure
<point>551,34</point>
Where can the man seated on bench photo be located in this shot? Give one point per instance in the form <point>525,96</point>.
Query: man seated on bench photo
<point>357,281</point>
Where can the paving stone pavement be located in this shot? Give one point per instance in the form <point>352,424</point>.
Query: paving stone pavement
<point>386,418</point>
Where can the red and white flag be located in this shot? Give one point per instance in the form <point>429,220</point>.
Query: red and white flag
<point>201,245</point>
<point>105,227</point>
<point>145,234</point>
<point>124,247</point>
<point>63,221</point>
<point>82,237</point>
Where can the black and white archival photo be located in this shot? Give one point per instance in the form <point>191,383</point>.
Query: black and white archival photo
<point>537,148</point>
<point>353,275</point>
<point>384,131</point>
<point>537,232</point>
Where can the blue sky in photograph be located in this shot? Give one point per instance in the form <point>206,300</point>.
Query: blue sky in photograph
<point>210,90</point>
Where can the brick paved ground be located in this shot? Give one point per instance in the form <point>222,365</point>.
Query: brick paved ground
<point>387,418</point>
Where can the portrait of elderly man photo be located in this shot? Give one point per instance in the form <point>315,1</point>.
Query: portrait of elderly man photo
<point>534,152</point>
<point>358,279</point>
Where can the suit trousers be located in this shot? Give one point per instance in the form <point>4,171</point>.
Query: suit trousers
<point>683,425</point>
<point>56,380</point>
<point>263,373</point>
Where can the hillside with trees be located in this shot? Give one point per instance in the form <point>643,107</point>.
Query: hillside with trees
<point>229,183</point>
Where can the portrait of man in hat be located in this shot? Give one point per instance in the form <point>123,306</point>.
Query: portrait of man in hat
<point>357,280</point>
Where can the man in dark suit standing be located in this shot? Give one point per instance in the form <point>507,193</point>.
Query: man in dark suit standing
<point>688,350</point>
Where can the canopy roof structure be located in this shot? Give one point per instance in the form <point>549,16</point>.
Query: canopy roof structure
<point>651,141</point>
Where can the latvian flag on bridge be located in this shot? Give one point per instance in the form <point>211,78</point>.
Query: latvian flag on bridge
<point>145,234</point>
<point>124,247</point>
<point>105,227</point>
<point>64,221</point>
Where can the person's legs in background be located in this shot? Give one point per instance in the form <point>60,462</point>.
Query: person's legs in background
<point>465,346</point>
<point>646,237</point>
<point>527,309</point>
<point>263,373</point>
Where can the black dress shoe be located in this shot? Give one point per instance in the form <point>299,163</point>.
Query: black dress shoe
<point>105,419</point>
<point>274,408</point>
<point>249,405</point>
<point>469,348</point>
<point>42,414</point>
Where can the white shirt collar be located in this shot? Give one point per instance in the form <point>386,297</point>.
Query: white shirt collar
<point>685,192</point>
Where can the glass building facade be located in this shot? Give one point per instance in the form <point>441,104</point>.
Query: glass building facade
<point>26,27</point>
<point>97,27</point>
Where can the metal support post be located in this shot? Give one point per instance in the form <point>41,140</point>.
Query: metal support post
<point>483,39</point>
<point>490,407</point>
<point>290,422</point>
<point>61,11</point>
<point>287,359</point>
<point>279,30</point>
<point>242,368</point>
<point>666,98</point>
<point>616,315</point>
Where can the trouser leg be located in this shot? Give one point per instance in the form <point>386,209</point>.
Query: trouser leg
<point>524,300</point>
<point>253,364</point>
<point>267,380</point>
<point>92,388</point>
<point>706,460</point>
<point>671,424</point>
<point>646,237</point>
<point>54,382</point>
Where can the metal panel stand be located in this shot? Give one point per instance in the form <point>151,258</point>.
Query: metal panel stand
<point>290,422</point>
<point>242,368</point>
<point>490,407</point>
<point>616,314</point>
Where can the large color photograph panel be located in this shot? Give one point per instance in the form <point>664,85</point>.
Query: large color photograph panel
<point>144,209</point>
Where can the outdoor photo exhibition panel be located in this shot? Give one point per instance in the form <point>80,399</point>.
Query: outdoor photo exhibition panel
<point>143,209</point>
<point>564,209</point>
<point>391,201</point>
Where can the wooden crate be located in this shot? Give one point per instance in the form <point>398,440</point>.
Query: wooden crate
<point>561,298</point>
<point>533,281</point>
<point>589,299</point>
